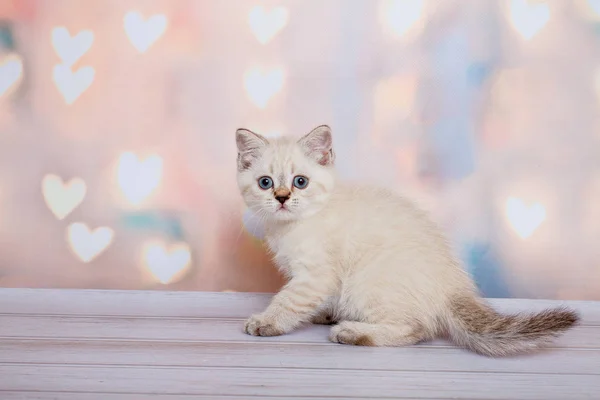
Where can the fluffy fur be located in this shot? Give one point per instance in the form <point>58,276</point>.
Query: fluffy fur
<point>366,260</point>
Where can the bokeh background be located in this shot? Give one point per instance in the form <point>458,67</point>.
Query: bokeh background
<point>117,120</point>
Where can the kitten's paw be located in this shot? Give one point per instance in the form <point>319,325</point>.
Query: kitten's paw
<point>345,333</point>
<point>259,325</point>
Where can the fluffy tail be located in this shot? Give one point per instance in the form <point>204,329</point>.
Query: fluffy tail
<point>474,325</point>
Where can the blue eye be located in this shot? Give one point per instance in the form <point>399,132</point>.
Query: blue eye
<point>300,181</point>
<point>265,182</point>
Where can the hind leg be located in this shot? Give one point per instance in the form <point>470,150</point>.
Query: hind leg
<point>365,334</point>
<point>325,314</point>
<point>323,319</point>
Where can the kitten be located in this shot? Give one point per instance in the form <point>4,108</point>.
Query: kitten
<point>366,259</point>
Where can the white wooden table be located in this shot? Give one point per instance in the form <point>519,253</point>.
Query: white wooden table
<point>107,345</point>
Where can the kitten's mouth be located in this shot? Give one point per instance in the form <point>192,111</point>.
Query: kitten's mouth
<point>282,208</point>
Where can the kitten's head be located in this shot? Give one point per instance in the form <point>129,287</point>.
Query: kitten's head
<point>283,178</point>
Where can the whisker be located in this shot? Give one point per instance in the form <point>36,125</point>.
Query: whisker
<point>239,235</point>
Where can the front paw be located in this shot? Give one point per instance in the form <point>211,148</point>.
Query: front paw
<point>259,325</point>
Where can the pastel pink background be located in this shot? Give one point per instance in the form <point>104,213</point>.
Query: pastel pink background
<point>486,112</point>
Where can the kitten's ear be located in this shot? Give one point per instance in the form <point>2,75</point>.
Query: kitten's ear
<point>250,146</point>
<point>318,145</point>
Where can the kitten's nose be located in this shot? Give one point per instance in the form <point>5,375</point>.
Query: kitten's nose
<point>282,194</point>
<point>282,199</point>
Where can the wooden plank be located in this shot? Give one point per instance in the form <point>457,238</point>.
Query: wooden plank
<point>153,396</point>
<point>275,355</point>
<point>185,329</point>
<point>131,303</point>
<point>198,304</point>
<point>297,382</point>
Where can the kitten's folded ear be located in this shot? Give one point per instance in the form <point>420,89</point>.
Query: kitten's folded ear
<point>250,146</point>
<point>318,145</point>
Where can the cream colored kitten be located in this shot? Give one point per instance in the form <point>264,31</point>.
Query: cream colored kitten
<point>366,259</point>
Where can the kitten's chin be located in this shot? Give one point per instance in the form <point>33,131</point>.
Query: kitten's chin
<point>284,215</point>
